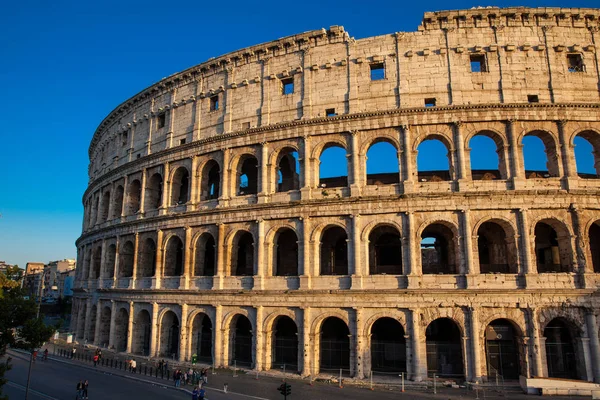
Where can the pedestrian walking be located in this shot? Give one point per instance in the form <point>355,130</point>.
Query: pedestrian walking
<point>95,360</point>
<point>85,389</point>
<point>73,350</point>
<point>45,355</point>
<point>204,375</point>
<point>133,366</point>
<point>80,389</point>
<point>195,393</point>
<point>201,394</point>
<point>99,354</point>
<point>177,377</point>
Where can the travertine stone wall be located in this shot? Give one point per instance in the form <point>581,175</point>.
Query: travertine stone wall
<point>149,211</point>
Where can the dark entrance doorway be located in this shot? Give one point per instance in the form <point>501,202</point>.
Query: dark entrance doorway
<point>388,346</point>
<point>502,351</point>
<point>285,344</point>
<point>560,351</point>
<point>335,345</point>
<point>242,342</point>
<point>444,353</point>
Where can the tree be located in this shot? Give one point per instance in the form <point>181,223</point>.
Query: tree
<point>19,326</point>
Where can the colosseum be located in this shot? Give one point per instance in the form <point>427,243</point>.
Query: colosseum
<point>211,230</point>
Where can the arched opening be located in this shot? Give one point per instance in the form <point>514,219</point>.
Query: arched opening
<point>211,181</point>
<point>154,192</point>
<point>117,203</point>
<point>493,250</point>
<point>285,344</point>
<point>334,251</point>
<point>539,155</point>
<point>81,321</point>
<point>437,250</point>
<point>111,257</point>
<point>121,330</point>
<point>595,245</point>
<point>247,175</point>
<point>104,331</point>
<point>288,169</point>
<point>96,211</point>
<point>241,341</point>
<point>286,253</point>
<point>382,164</point>
<point>126,260</point>
<point>92,319</point>
<point>385,251</point>
<point>444,353</point>
<point>169,335</point>
<point>561,358</point>
<point>105,206</point>
<point>174,257</point>
<point>147,259</point>
<point>202,338</point>
<point>133,197</point>
<point>388,346</point>
<point>502,350</point>
<point>433,160</point>
<point>333,167</point>
<point>96,262</point>
<point>552,251</point>
<point>206,256</point>
<point>242,263</point>
<point>587,154</point>
<point>180,186</point>
<point>487,156</point>
<point>142,329</point>
<point>334,346</point>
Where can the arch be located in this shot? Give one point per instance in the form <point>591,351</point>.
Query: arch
<point>532,154</point>
<point>502,349</point>
<point>126,260</point>
<point>110,261</point>
<point>169,334</point>
<point>286,253</point>
<point>134,192</point>
<point>154,192</point>
<point>205,263</point>
<point>117,202</point>
<point>180,186</point>
<point>247,175</point>
<point>147,258</point>
<point>104,329</point>
<point>438,249</point>
<point>496,248</point>
<point>594,241</point>
<point>142,330</point>
<point>241,340</point>
<point>173,257</point>
<point>444,349</point>
<point>285,343</point>
<point>334,345</point>
<point>388,346</point>
<point>486,152</point>
<point>92,318</point>
<point>382,162</point>
<point>385,250</point>
<point>333,166</point>
<point>561,355</point>
<point>588,165</point>
<point>105,206</point>
<point>242,254</point>
<point>334,251</point>
<point>431,151</point>
<point>211,181</point>
<point>121,330</point>
<point>552,246</point>
<point>96,262</point>
<point>288,170</point>
<point>202,333</point>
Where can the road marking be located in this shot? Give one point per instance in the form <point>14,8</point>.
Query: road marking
<point>23,388</point>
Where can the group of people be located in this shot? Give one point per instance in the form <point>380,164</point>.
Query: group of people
<point>82,389</point>
<point>97,357</point>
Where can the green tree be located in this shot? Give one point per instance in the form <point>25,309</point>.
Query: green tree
<point>19,326</point>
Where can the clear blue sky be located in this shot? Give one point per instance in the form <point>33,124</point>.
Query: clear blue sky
<point>66,64</point>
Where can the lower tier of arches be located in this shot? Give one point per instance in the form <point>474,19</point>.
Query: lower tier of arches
<point>463,343</point>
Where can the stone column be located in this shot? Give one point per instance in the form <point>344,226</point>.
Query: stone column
<point>414,269</point>
<point>355,269</point>
<point>259,340</point>
<point>471,267</point>
<point>154,331</point>
<point>537,344</point>
<point>460,167</point>
<point>98,322</point>
<point>196,181</point>
<point>584,346</point>
<point>88,320</point>
<point>143,192</point>
<point>306,178</point>
<point>263,182</point>
<point>102,265</point>
<point>221,258</point>
<point>218,337</point>
<point>166,194</point>
<point>355,161</point>
<point>117,252</point>
<point>594,345</point>
<point>159,260</point>
<point>567,151</point>
<point>515,161</point>
<point>113,317</point>
<point>306,345</point>
<point>187,259</point>
<point>306,271</point>
<point>130,326</point>
<point>408,160</point>
<point>136,249</point>
<point>260,256</point>
<point>419,364</point>
<point>125,196</point>
<point>527,265</point>
<point>225,178</point>
<point>362,351</point>
<point>183,333</point>
<point>197,111</point>
<point>475,345</point>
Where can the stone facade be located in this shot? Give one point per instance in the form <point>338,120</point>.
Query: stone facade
<point>200,236</point>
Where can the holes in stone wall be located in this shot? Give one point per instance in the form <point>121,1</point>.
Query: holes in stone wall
<point>388,346</point>
<point>288,168</point>
<point>133,197</point>
<point>211,181</point>
<point>154,192</point>
<point>147,258</point>
<point>174,257</point>
<point>438,254</point>
<point>117,203</point>
<point>242,260</point>
<point>382,164</point>
<point>334,251</point>
<point>587,154</point>
<point>377,71</point>
<point>444,350</point>
<point>248,175</point>
<point>286,253</point>
<point>180,186</point>
<point>333,167</point>
<point>206,256</point>
<point>126,260</point>
<point>285,344</point>
<point>552,250</point>
<point>433,161</point>
<point>385,251</point>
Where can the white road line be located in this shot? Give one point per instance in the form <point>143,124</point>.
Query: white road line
<point>44,395</point>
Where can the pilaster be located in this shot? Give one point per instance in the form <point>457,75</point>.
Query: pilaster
<point>130,326</point>
<point>183,333</point>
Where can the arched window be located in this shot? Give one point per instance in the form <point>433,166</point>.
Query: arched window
<point>539,155</point>
<point>288,169</point>
<point>241,340</point>
<point>494,255</point>
<point>141,334</point>
<point>335,346</point>
<point>286,250</point>
<point>147,259</point>
<point>126,260</point>
<point>154,192</point>
<point>388,346</point>
<point>334,251</point>
<point>105,206</point>
<point>180,186</point>
<point>243,254</point>
<point>169,335</point>
<point>437,250</point>
<point>211,181</point>
<point>444,350</point>
<point>385,251</point>
<point>248,175</point>
<point>333,167</point>
<point>561,357</point>
<point>104,332</point>
<point>285,344</point>
<point>552,251</point>
<point>202,338</point>
<point>487,157</point>
<point>117,203</point>
<point>174,257</point>
<point>502,350</point>
<point>206,256</point>
<point>121,330</point>
<point>382,164</point>
<point>433,161</point>
<point>96,263</point>
<point>587,154</point>
<point>111,256</point>
<point>133,197</point>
